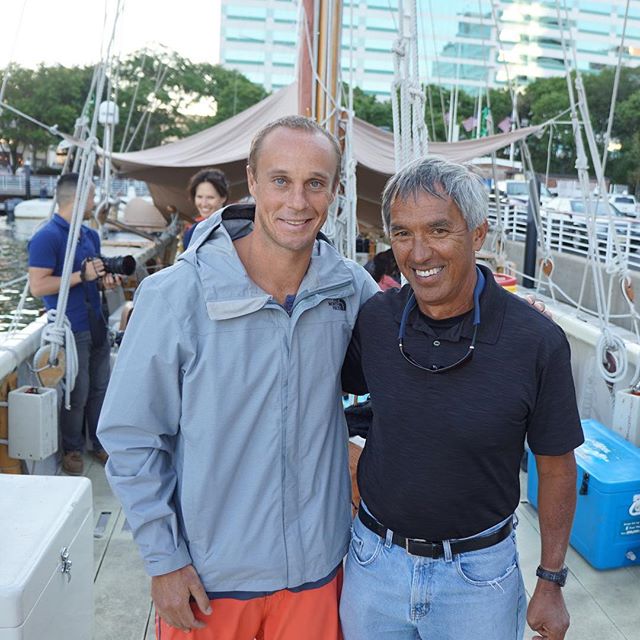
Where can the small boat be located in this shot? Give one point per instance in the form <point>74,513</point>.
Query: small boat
<point>34,209</point>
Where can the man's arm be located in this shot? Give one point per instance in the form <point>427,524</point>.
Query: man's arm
<point>43,283</point>
<point>138,425</point>
<point>547,613</point>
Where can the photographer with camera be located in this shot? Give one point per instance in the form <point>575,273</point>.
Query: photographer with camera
<point>84,310</point>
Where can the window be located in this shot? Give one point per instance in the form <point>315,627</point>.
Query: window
<point>243,56</point>
<point>382,4</point>
<point>246,13</point>
<point>283,58</point>
<point>285,15</point>
<point>282,79</point>
<point>381,23</point>
<point>245,35</point>
<point>285,37</point>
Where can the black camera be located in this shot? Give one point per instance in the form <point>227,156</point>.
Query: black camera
<point>122,265</point>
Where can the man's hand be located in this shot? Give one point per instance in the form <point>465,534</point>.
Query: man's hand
<point>93,269</point>
<point>111,280</point>
<point>547,613</point>
<point>171,593</point>
<point>538,305</point>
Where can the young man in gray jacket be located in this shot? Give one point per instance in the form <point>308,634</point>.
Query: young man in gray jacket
<point>223,419</point>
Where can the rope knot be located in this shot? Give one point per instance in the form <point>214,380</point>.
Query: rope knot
<point>399,47</point>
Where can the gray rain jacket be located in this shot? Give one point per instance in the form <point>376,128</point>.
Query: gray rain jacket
<point>223,419</point>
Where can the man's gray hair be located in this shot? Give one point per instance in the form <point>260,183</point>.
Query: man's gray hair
<point>441,178</point>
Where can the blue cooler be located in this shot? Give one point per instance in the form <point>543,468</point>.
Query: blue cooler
<point>606,528</point>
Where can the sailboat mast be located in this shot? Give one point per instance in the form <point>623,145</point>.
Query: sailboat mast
<point>319,62</point>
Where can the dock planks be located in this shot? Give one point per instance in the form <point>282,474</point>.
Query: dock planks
<point>123,607</point>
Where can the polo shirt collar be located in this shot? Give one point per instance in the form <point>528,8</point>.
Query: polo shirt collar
<point>492,309</point>
<point>61,222</point>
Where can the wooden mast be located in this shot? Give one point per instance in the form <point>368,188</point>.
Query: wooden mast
<point>319,62</point>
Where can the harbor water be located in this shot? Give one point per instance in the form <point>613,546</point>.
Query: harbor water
<point>13,269</point>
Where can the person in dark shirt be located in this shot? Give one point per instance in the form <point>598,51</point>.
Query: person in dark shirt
<point>460,372</point>
<point>46,261</point>
<point>209,191</point>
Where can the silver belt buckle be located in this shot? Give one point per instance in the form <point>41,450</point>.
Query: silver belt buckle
<point>407,541</point>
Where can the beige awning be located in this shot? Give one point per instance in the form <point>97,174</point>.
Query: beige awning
<point>167,168</point>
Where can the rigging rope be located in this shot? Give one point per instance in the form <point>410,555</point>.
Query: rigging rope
<point>612,368</point>
<point>614,97</point>
<point>435,54</point>
<point>58,334</point>
<point>409,129</point>
<point>7,71</point>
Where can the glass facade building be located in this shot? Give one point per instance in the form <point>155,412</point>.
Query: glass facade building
<point>259,38</point>
<point>530,41</point>
<point>470,43</point>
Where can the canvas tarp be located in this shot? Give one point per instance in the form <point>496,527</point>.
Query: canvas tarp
<point>167,168</point>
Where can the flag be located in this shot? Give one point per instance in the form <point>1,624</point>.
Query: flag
<point>470,123</point>
<point>486,122</point>
<point>505,125</point>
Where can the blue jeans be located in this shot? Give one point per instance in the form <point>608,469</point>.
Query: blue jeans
<point>87,396</point>
<point>389,594</point>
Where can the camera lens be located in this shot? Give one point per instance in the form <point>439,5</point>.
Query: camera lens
<point>122,265</point>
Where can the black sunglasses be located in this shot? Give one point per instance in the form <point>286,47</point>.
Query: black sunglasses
<point>411,303</point>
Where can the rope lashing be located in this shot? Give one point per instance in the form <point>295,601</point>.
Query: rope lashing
<point>611,357</point>
<point>60,335</point>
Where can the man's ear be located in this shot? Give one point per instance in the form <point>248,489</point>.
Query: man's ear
<point>251,181</point>
<point>479,235</point>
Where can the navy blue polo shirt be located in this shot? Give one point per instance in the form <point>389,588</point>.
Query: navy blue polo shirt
<point>47,250</point>
<point>442,457</point>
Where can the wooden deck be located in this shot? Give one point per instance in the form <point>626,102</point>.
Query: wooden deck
<point>123,608</point>
<point>603,604</point>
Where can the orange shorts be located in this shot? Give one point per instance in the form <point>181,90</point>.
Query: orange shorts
<point>306,615</point>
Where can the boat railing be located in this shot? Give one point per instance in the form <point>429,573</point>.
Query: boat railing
<point>568,232</point>
<point>11,185</point>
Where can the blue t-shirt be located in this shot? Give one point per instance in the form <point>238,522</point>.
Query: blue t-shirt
<point>47,250</point>
<point>186,236</point>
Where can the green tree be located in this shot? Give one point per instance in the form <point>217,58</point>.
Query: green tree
<point>53,95</point>
<point>368,108</point>
<point>546,98</point>
<point>163,96</point>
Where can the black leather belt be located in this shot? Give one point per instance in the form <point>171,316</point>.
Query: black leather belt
<point>417,547</point>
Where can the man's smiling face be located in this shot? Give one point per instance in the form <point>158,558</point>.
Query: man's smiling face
<point>293,186</point>
<point>435,251</point>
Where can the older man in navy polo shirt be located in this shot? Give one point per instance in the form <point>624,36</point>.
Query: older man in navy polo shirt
<point>46,261</point>
<point>460,373</point>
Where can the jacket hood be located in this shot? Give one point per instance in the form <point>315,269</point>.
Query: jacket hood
<point>229,291</point>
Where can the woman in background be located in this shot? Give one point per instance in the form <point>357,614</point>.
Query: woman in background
<point>209,191</point>
<point>384,270</point>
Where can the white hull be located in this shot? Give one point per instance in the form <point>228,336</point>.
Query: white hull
<point>33,209</point>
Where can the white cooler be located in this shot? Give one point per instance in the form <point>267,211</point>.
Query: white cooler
<point>46,558</point>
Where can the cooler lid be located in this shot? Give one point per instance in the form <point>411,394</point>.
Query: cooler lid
<point>611,461</point>
<point>40,515</point>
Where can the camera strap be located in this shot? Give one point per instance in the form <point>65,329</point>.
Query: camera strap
<point>97,322</point>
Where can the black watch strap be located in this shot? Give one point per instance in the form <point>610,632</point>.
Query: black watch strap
<point>83,271</point>
<point>559,577</point>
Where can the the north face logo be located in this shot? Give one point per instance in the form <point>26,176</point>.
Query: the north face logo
<point>337,304</point>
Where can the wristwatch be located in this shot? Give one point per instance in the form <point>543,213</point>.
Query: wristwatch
<point>559,577</point>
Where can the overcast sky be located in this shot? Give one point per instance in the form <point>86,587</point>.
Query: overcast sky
<point>70,32</point>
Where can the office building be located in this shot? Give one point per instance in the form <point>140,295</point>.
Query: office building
<point>470,43</point>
